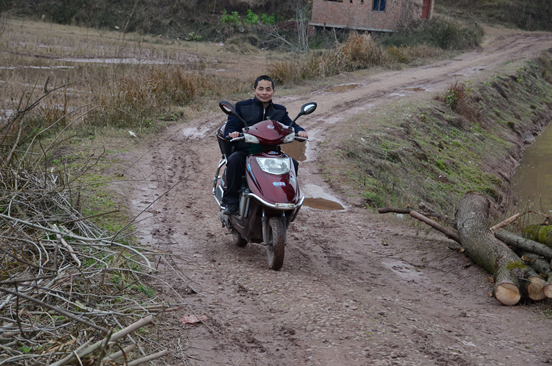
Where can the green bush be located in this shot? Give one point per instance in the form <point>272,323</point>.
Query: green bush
<point>251,18</point>
<point>233,18</point>
<point>268,20</point>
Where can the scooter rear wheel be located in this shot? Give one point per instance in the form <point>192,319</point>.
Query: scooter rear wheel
<point>276,243</point>
<point>238,240</point>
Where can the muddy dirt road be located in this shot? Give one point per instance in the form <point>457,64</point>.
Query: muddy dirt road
<point>356,288</point>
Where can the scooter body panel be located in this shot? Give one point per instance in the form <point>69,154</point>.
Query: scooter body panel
<point>274,189</point>
<point>269,132</point>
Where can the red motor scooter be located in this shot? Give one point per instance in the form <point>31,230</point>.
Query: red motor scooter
<point>269,197</point>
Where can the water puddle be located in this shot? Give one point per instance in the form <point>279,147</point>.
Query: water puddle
<point>403,270</point>
<point>194,132</point>
<point>318,198</point>
<point>417,89</point>
<point>532,182</point>
<point>128,61</point>
<point>323,204</point>
<point>296,150</point>
<point>342,88</point>
<point>36,67</point>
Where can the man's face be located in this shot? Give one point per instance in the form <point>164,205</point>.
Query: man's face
<point>264,91</point>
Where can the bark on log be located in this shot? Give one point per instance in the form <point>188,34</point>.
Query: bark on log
<point>539,233</point>
<point>524,244</point>
<point>542,267</point>
<point>512,276</point>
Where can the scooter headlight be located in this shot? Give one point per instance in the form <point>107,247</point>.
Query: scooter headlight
<point>277,166</point>
<point>289,138</point>
<point>250,139</point>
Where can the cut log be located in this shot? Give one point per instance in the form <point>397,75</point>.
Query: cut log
<point>539,264</point>
<point>542,267</point>
<point>512,277</point>
<point>547,289</point>
<point>540,233</point>
<point>523,244</point>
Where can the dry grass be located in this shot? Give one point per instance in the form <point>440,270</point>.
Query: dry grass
<point>52,254</point>
<point>114,80</point>
<point>459,99</point>
<point>359,52</point>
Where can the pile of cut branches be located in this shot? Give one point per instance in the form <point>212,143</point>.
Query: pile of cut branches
<point>521,267</point>
<point>65,284</point>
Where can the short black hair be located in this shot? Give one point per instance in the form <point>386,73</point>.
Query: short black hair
<point>263,77</point>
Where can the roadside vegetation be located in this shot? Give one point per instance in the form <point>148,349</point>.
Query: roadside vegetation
<point>68,241</point>
<point>415,42</point>
<point>435,152</point>
<point>530,15</point>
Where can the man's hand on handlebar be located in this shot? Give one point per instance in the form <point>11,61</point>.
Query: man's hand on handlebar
<point>233,135</point>
<point>302,134</point>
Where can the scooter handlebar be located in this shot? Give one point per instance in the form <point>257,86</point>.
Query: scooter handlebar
<point>301,139</point>
<point>239,138</point>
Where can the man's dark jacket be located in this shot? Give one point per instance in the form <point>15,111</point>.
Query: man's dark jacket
<point>251,111</point>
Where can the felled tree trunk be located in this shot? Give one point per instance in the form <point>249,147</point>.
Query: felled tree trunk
<point>512,276</point>
<point>540,233</point>
<point>542,267</point>
<point>524,244</point>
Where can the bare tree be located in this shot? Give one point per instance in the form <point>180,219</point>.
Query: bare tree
<point>303,9</point>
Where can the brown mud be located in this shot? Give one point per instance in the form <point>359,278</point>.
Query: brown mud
<point>356,288</point>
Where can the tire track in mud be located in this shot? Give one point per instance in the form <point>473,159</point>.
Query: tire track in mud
<point>354,289</point>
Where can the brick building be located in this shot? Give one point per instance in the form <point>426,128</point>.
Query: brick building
<point>369,15</point>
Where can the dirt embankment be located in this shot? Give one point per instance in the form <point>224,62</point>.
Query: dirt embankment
<point>356,288</point>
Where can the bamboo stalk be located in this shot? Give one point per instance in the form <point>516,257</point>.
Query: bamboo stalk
<point>148,358</point>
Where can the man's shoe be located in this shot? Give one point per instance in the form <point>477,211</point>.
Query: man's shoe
<point>231,209</point>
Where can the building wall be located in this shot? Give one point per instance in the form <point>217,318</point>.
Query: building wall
<point>358,14</point>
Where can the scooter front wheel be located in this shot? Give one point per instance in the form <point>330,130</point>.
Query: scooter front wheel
<point>276,243</point>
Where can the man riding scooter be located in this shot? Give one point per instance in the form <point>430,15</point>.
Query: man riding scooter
<point>254,110</point>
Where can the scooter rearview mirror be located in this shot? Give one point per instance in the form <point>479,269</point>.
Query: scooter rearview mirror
<point>230,110</point>
<point>308,108</point>
<point>227,107</point>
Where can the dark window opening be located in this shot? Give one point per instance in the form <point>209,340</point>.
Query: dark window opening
<point>379,5</point>
<point>336,1</point>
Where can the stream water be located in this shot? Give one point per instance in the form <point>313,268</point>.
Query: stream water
<point>532,181</point>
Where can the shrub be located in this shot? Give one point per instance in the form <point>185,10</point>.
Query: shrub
<point>268,20</point>
<point>251,18</point>
<point>458,99</point>
<point>439,32</point>
<point>359,52</point>
<point>233,18</point>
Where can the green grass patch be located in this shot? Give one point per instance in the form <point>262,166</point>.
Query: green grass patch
<point>437,151</point>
